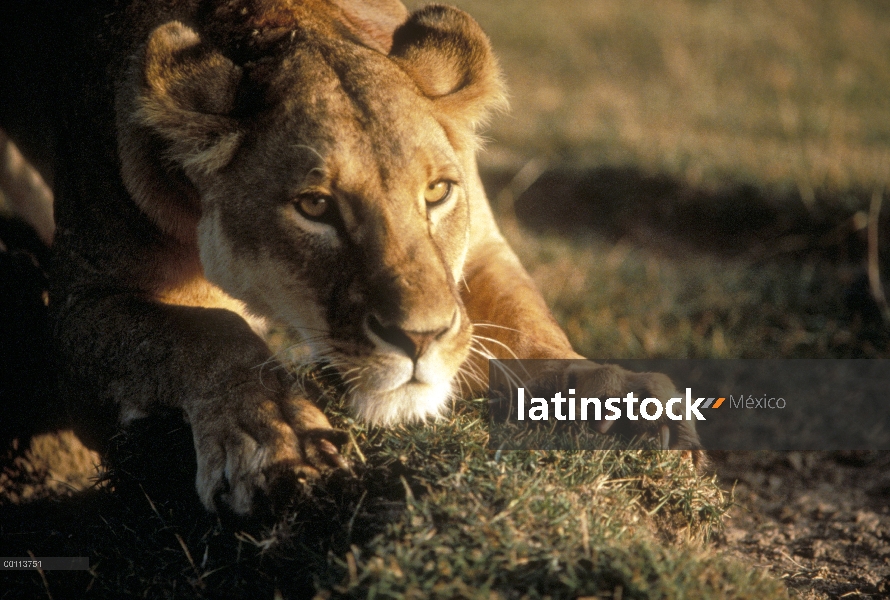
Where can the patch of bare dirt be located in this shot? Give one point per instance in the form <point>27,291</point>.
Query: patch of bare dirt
<point>54,464</point>
<point>818,521</point>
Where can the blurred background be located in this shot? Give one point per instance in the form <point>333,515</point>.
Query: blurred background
<point>692,178</point>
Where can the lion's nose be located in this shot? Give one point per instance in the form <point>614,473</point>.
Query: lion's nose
<point>412,343</point>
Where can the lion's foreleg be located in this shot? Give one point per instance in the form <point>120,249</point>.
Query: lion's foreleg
<point>506,307</point>
<point>252,436</point>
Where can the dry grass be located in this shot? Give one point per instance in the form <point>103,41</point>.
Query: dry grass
<point>789,94</point>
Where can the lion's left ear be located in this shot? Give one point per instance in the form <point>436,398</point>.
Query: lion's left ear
<point>449,57</point>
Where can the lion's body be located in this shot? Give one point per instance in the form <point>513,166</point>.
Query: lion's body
<point>221,165</point>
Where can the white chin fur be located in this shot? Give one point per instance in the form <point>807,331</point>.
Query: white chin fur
<point>408,402</point>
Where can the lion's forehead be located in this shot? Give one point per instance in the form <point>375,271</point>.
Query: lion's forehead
<point>353,102</point>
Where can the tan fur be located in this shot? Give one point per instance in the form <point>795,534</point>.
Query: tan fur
<point>228,116</point>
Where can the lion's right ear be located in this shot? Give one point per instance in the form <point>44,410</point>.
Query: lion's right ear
<point>187,96</point>
<point>175,124</point>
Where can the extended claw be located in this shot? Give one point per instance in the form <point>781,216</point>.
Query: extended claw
<point>332,454</point>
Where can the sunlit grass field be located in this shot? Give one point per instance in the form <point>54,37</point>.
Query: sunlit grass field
<point>791,94</point>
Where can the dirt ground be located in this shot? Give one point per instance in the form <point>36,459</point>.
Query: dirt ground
<point>818,521</point>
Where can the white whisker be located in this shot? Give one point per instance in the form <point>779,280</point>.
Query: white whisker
<point>496,326</point>
<point>511,376</point>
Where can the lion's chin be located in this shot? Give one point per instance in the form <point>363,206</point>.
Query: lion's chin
<point>410,401</point>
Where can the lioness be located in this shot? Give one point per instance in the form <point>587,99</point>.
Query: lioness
<point>221,165</point>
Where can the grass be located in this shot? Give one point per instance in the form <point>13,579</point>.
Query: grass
<point>431,513</point>
<point>621,302</point>
<point>791,95</point>
<point>486,524</point>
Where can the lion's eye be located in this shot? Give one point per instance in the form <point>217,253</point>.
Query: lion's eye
<point>313,207</point>
<point>437,192</point>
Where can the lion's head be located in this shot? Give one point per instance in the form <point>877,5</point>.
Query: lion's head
<point>327,184</point>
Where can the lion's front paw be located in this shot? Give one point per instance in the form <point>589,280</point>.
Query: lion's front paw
<point>256,456</point>
<point>586,380</point>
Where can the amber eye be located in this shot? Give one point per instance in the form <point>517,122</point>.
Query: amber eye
<point>437,192</point>
<point>313,206</point>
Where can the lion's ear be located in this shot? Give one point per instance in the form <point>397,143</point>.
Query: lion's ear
<point>186,97</point>
<point>449,57</point>
<point>174,124</point>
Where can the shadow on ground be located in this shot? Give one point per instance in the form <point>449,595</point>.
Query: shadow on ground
<point>147,535</point>
<point>662,213</point>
